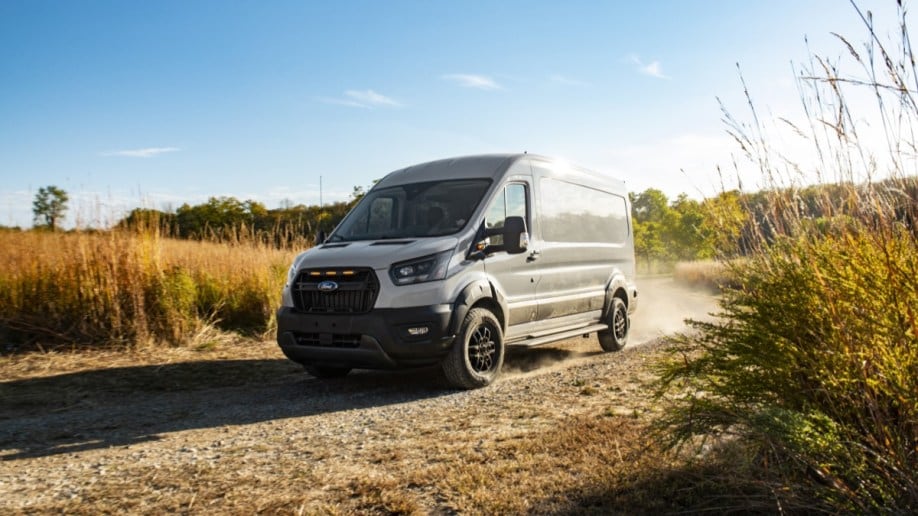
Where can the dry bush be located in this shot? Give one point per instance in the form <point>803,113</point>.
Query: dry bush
<point>813,367</point>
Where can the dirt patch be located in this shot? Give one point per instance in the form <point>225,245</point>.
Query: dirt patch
<point>251,433</point>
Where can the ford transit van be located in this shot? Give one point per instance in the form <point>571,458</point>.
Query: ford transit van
<point>453,261</point>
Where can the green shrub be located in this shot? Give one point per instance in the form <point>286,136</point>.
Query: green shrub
<point>816,356</point>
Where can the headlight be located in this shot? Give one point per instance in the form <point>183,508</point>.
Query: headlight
<point>428,268</point>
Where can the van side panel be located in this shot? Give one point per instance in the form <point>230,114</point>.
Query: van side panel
<point>583,235</point>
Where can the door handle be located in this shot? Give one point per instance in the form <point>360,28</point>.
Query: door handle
<point>533,256</point>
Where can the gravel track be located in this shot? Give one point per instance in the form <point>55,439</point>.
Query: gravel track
<point>85,455</point>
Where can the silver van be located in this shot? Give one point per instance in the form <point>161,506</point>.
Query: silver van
<point>453,261</point>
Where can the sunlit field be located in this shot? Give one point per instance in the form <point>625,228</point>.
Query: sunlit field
<point>123,288</point>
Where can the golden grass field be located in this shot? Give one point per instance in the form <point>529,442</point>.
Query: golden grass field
<point>134,289</point>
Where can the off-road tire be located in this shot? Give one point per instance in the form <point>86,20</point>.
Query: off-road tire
<point>616,337</point>
<point>477,353</point>
<point>326,372</point>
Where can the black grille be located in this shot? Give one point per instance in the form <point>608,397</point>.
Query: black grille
<point>327,340</point>
<point>354,291</point>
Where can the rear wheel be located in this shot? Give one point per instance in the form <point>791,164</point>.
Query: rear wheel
<point>326,371</point>
<point>616,337</point>
<point>478,352</point>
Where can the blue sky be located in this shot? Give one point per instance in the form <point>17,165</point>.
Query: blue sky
<point>125,103</point>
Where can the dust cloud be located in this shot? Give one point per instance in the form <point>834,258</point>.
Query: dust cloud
<point>663,308</point>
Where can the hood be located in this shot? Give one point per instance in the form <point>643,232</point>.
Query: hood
<point>377,254</point>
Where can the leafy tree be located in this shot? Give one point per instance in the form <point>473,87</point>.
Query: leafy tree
<point>49,206</point>
<point>684,230</point>
<point>651,205</point>
<point>217,217</point>
<point>649,211</point>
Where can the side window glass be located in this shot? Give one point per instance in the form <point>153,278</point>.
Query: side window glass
<point>575,213</point>
<point>516,201</point>
<point>511,202</point>
<point>497,212</point>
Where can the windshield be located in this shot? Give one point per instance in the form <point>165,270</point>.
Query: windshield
<point>414,210</point>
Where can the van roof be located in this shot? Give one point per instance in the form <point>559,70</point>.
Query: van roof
<point>488,166</point>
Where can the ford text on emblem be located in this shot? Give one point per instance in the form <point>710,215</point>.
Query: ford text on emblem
<point>328,286</point>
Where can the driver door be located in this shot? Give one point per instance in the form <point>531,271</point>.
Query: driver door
<point>514,275</point>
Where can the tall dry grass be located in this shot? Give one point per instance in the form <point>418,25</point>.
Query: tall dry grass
<point>130,288</point>
<point>812,369</point>
<point>709,274</point>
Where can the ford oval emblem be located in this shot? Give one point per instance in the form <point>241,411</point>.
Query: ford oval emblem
<point>328,286</point>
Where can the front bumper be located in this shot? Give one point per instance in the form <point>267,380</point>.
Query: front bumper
<point>375,340</point>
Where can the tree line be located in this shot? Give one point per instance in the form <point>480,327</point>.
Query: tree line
<point>227,219</point>
<point>665,231</point>
<point>685,229</point>
<point>735,223</point>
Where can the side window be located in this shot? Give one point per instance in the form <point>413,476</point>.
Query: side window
<point>516,200</point>
<point>576,213</point>
<point>511,202</point>
<point>497,212</point>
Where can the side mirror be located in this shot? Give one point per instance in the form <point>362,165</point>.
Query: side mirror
<point>320,237</point>
<point>516,238</point>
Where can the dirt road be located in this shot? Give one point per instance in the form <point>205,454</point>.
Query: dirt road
<point>259,435</point>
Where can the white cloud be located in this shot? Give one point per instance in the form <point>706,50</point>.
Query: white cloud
<point>148,152</point>
<point>342,102</point>
<point>366,99</point>
<point>653,69</point>
<point>567,81</point>
<point>480,82</point>
<point>371,98</point>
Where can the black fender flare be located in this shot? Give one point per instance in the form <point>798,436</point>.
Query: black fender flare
<point>472,294</point>
<point>616,282</point>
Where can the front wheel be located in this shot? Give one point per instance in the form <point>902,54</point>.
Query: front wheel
<point>478,352</point>
<point>616,337</point>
